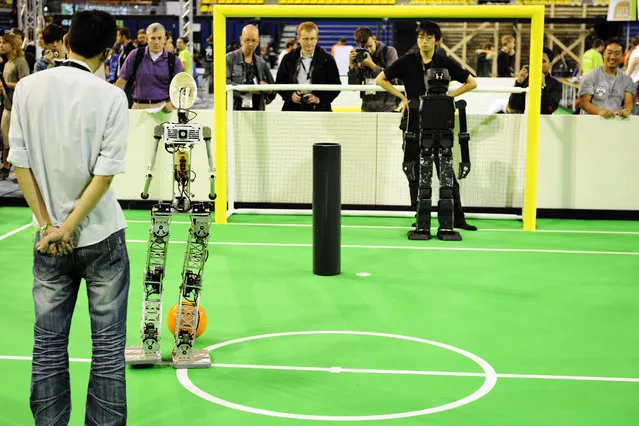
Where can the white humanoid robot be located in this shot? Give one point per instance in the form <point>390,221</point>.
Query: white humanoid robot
<point>179,140</point>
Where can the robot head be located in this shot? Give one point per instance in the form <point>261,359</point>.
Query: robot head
<point>437,80</point>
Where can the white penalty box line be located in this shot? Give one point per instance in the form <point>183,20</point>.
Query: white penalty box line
<point>339,370</point>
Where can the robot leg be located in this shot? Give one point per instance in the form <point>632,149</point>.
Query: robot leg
<point>424,200</point>
<point>149,351</point>
<point>445,207</point>
<point>187,318</point>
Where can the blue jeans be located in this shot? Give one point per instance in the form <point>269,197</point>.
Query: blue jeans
<point>105,268</point>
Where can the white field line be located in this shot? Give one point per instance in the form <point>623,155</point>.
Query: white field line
<point>337,370</point>
<point>481,249</point>
<point>308,225</point>
<point>15,231</point>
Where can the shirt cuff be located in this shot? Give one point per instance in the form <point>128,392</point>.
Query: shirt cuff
<point>108,167</point>
<point>19,158</point>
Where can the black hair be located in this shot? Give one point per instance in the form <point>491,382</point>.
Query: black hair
<point>597,43</point>
<point>362,34</point>
<point>616,40</point>
<point>124,31</point>
<point>52,33</point>
<point>91,32</point>
<point>429,27</point>
<point>548,52</point>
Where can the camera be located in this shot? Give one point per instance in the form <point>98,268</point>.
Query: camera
<point>360,54</point>
<point>305,101</point>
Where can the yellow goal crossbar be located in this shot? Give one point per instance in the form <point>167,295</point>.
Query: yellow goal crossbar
<point>534,13</point>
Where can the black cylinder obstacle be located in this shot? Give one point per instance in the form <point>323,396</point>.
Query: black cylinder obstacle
<point>327,204</point>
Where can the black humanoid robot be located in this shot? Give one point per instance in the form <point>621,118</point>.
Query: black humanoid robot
<point>429,132</point>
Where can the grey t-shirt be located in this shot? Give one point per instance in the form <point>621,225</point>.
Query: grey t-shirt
<point>607,91</point>
<point>13,71</point>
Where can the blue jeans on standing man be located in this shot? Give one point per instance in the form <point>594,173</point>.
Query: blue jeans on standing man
<point>105,268</point>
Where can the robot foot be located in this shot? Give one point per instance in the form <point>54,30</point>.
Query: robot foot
<point>415,235</point>
<point>135,355</point>
<point>197,359</point>
<point>448,235</point>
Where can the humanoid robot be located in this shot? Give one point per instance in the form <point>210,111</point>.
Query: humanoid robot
<point>429,133</point>
<point>179,140</point>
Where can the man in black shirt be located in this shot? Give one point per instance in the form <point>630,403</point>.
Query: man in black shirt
<point>551,89</point>
<point>411,68</point>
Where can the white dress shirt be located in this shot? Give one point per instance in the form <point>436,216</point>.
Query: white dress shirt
<point>68,125</point>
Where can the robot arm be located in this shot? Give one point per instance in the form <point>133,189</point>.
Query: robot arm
<point>206,132</point>
<point>157,135</point>
<point>464,138</point>
<point>411,141</point>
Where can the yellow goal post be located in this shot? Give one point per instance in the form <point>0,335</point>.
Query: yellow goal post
<point>534,13</point>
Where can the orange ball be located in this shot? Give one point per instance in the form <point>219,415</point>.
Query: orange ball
<point>171,318</point>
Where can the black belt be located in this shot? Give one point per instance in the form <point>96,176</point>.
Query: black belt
<point>149,101</point>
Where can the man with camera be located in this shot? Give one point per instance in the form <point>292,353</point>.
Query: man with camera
<point>366,62</point>
<point>308,64</point>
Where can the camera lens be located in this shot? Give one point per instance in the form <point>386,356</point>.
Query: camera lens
<point>182,134</point>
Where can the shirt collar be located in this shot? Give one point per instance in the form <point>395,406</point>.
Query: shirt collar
<point>164,53</point>
<point>83,64</point>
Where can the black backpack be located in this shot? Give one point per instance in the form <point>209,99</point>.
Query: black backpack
<point>139,55</point>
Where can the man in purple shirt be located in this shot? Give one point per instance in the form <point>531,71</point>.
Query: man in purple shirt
<point>152,77</point>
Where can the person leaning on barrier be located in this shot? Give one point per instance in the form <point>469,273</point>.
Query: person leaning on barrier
<point>243,66</point>
<point>550,88</point>
<point>365,63</point>
<point>411,68</point>
<point>308,64</point>
<point>607,91</point>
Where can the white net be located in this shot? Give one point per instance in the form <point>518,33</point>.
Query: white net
<point>270,159</point>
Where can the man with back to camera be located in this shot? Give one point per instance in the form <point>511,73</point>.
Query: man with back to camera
<point>411,68</point>
<point>607,91</point>
<point>152,77</point>
<point>65,178</point>
<point>308,64</point>
<point>243,66</point>
<point>366,64</point>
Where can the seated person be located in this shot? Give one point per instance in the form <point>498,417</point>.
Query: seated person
<point>550,88</point>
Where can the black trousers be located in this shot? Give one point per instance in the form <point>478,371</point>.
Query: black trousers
<point>413,186</point>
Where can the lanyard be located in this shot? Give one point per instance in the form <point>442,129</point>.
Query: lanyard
<point>75,65</point>
<point>308,73</point>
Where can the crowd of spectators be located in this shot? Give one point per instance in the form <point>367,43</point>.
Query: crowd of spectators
<point>143,64</point>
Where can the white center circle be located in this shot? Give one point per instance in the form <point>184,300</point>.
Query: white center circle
<point>490,379</point>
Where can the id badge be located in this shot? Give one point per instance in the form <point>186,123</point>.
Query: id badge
<point>370,82</point>
<point>247,101</point>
